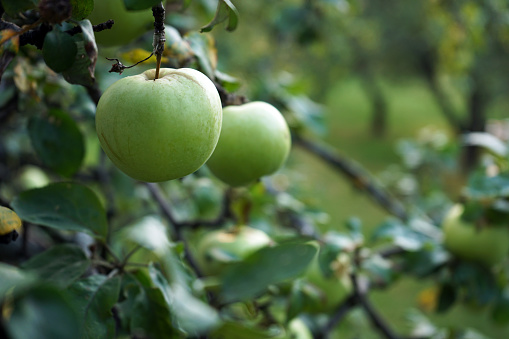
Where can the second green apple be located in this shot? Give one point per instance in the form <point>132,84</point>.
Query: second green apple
<point>254,142</point>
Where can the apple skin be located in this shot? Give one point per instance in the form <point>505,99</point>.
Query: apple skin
<point>159,130</point>
<point>254,142</point>
<point>128,26</point>
<point>487,246</point>
<point>334,288</point>
<point>239,242</point>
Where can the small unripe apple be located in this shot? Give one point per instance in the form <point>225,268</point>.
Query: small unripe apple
<point>219,248</point>
<point>254,142</point>
<point>488,245</point>
<point>159,130</point>
<point>128,25</point>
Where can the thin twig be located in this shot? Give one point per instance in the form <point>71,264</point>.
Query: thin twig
<point>177,226</point>
<point>159,35</point>
<point>361,296</point>
<point>119,67</point>
<point>357,175</point>
<point>347,305</point>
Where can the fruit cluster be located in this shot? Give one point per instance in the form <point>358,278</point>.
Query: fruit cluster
<point>167,128</point>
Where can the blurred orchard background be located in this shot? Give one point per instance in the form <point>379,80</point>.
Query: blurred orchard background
<point>390,89</point>
<point>392,85</point>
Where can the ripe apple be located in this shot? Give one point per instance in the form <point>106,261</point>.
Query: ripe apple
<point>255,141</point>
<point>217,249</point>
<point>128,26</point>
<point>488,245</point>
<point>163,129</point>
<point>334,288</point>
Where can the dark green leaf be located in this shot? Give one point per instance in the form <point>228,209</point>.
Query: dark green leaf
<point>446,297</point>
<point>59,49</point>
<point>61,264</point>
<point>14,278</point>
<point>501,310</point>
<point>191,314</point>
<point>66,206</point>
<point>225,11</point>
<point>83,68</point>
<point>13,7</point>
<point>57,141</point>
<point>136,5</point>
<point>401,235</point>
<point>148,312</point>
<point>81,8</point>
<point>426,260</point>
<point>231,330</point>
<point>482,187</point>
<point>43,313</point>
<point>304,296</point>
<point>269,265</point>
<point>95,296</point>
<point>479,282</point>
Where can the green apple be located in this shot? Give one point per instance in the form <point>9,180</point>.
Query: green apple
<point>217,249</point>
<point>488,245</point>
<point>254,142</point>
<point>334,288</point>
<point>128,26</point>
<point>159,130</point>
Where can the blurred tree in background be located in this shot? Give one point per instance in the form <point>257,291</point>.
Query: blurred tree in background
<point>389,220</point>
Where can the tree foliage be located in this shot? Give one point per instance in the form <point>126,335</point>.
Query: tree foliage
<point>103,256</point>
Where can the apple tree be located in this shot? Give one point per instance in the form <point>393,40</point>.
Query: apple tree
<point>144,194</point>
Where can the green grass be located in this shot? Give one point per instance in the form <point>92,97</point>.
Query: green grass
<point>411,107</point>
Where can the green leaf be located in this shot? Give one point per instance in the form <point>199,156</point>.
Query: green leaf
<point>95,296</point>
<point>425,260</point>
<point>230,83</point>
<point>500,312</point>
<point>43,313</point>
<point>482,187</point>
<point>147,310</point>
<point>201,47</point>
<point>401,235</point>
<point>148,232</point>
<point>231,330</point>
<point>82,70</point>
<point>308,113</point>
<point>478,281</point>
<point>59,49</point>
<point>81,8</point>
<point>61,264</point>
<point>13,7</point>
<point>446,297</point>
<point>65,206</point>
<point>14,278</point>
<point>487,141</point>
<point>191,314</point>
<point>225,11</point>
<point>136,5</point>
<point>58,141</point>
<point>269,265</point>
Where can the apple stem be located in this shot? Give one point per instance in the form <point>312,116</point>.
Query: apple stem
<point>159,36</point>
